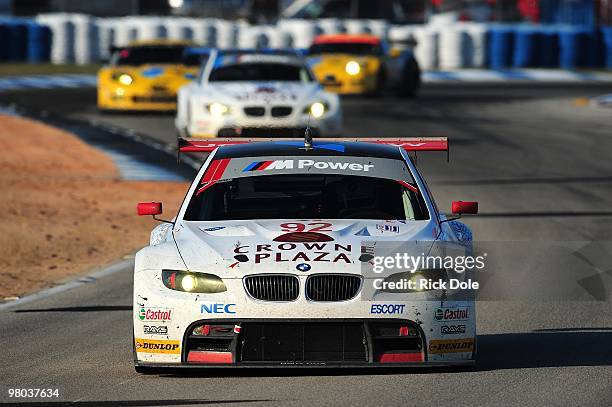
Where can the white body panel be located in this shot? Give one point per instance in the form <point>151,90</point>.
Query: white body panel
<point>194,119</point>
<point>210,247</point>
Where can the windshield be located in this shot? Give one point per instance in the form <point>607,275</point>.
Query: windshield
<point>307,196</point>
<point>260,72</point>
<point>135,56</point>
<point>352,48</point>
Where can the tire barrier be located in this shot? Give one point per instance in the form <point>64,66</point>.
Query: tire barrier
<point>526,45</point>
<point>607,43</point>
<point>444,43</point>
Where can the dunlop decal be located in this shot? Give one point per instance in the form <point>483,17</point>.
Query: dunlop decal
<point>157,346</point>
<point>451,346</point>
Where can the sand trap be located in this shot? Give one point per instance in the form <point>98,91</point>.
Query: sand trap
<point>63,209</point>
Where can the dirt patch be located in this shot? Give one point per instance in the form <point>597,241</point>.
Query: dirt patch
<point>64,209</point>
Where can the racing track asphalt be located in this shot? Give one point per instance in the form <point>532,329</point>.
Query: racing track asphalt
<point>539,166</point>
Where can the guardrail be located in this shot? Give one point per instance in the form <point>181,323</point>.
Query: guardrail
<point>76,38</point>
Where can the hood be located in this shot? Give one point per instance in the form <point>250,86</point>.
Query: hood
<point>155,72</point>
<point>235,248</point>
<point>263,92</point>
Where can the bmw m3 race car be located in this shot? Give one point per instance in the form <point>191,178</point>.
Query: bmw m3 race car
<point>145,76</point>
<point>247,93</point>
<point>268,261</point>
<point>363,64</point>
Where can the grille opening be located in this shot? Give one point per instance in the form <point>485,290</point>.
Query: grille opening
<point>273,287</point>
<point>256,111</point>
<point>281,111</point>
<point>387,339</point>
<point>210,344</point>
<point>332,287</point>
<point>303,342</point>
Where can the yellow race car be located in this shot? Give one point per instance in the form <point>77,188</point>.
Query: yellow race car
<point>146,75</point>
<point>363,64</point>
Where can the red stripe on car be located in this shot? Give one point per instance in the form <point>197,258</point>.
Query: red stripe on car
<point>264,165</point>
<point>409,186</point>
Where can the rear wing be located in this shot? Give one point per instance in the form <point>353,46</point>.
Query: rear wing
<point>414,144</point>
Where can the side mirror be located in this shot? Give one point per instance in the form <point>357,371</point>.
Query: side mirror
<point>149,208</point>
<point>467,207</point>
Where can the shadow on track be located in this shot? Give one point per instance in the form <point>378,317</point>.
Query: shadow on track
<point>545,348</point>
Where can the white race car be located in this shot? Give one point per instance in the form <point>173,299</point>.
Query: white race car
<point>250,93</point>
<point>271,260</point>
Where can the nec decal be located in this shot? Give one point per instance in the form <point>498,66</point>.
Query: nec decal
<point>218,308</point>
<point>306,164</point>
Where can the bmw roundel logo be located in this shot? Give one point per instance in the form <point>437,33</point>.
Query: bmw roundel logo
<point>303,267</point>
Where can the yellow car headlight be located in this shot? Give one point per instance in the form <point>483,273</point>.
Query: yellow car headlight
<point>193,282</point>
<point>218,109</point>
<point>125,79</point>
<point>352,68</point>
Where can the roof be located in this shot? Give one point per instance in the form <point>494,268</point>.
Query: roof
<point>321,148</point>
<point>347,39</point>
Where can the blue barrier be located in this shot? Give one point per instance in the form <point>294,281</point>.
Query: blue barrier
<point>39,43</point>
<point>606,33</point>
<point>507,45</point>
<point>16,41</point>
<point>579,47</point>
<point>3,42</point>
<point>526,48</point>
<point>591,52</point>
<point>569,48</point>
<point>548,55</point>
<point>500,47</point>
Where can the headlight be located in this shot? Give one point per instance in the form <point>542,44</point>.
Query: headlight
<point>125,79</point>
<point>193,282</point>
<point>218,109</point>
<point>352,68</point>
<point>317,109</point>
<point>400,280</point>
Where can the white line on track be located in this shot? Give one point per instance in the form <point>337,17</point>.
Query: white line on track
<point>91,278</point>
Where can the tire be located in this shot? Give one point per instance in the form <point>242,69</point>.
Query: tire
<point>411,80</point>
<point>381,80</point>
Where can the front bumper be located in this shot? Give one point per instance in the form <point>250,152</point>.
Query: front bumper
<point>329,365</point>
<point>305,343</point>
<point>123,98</point>
<point>203,125</point>
<point>240,328</point>
<point>349,85</point>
